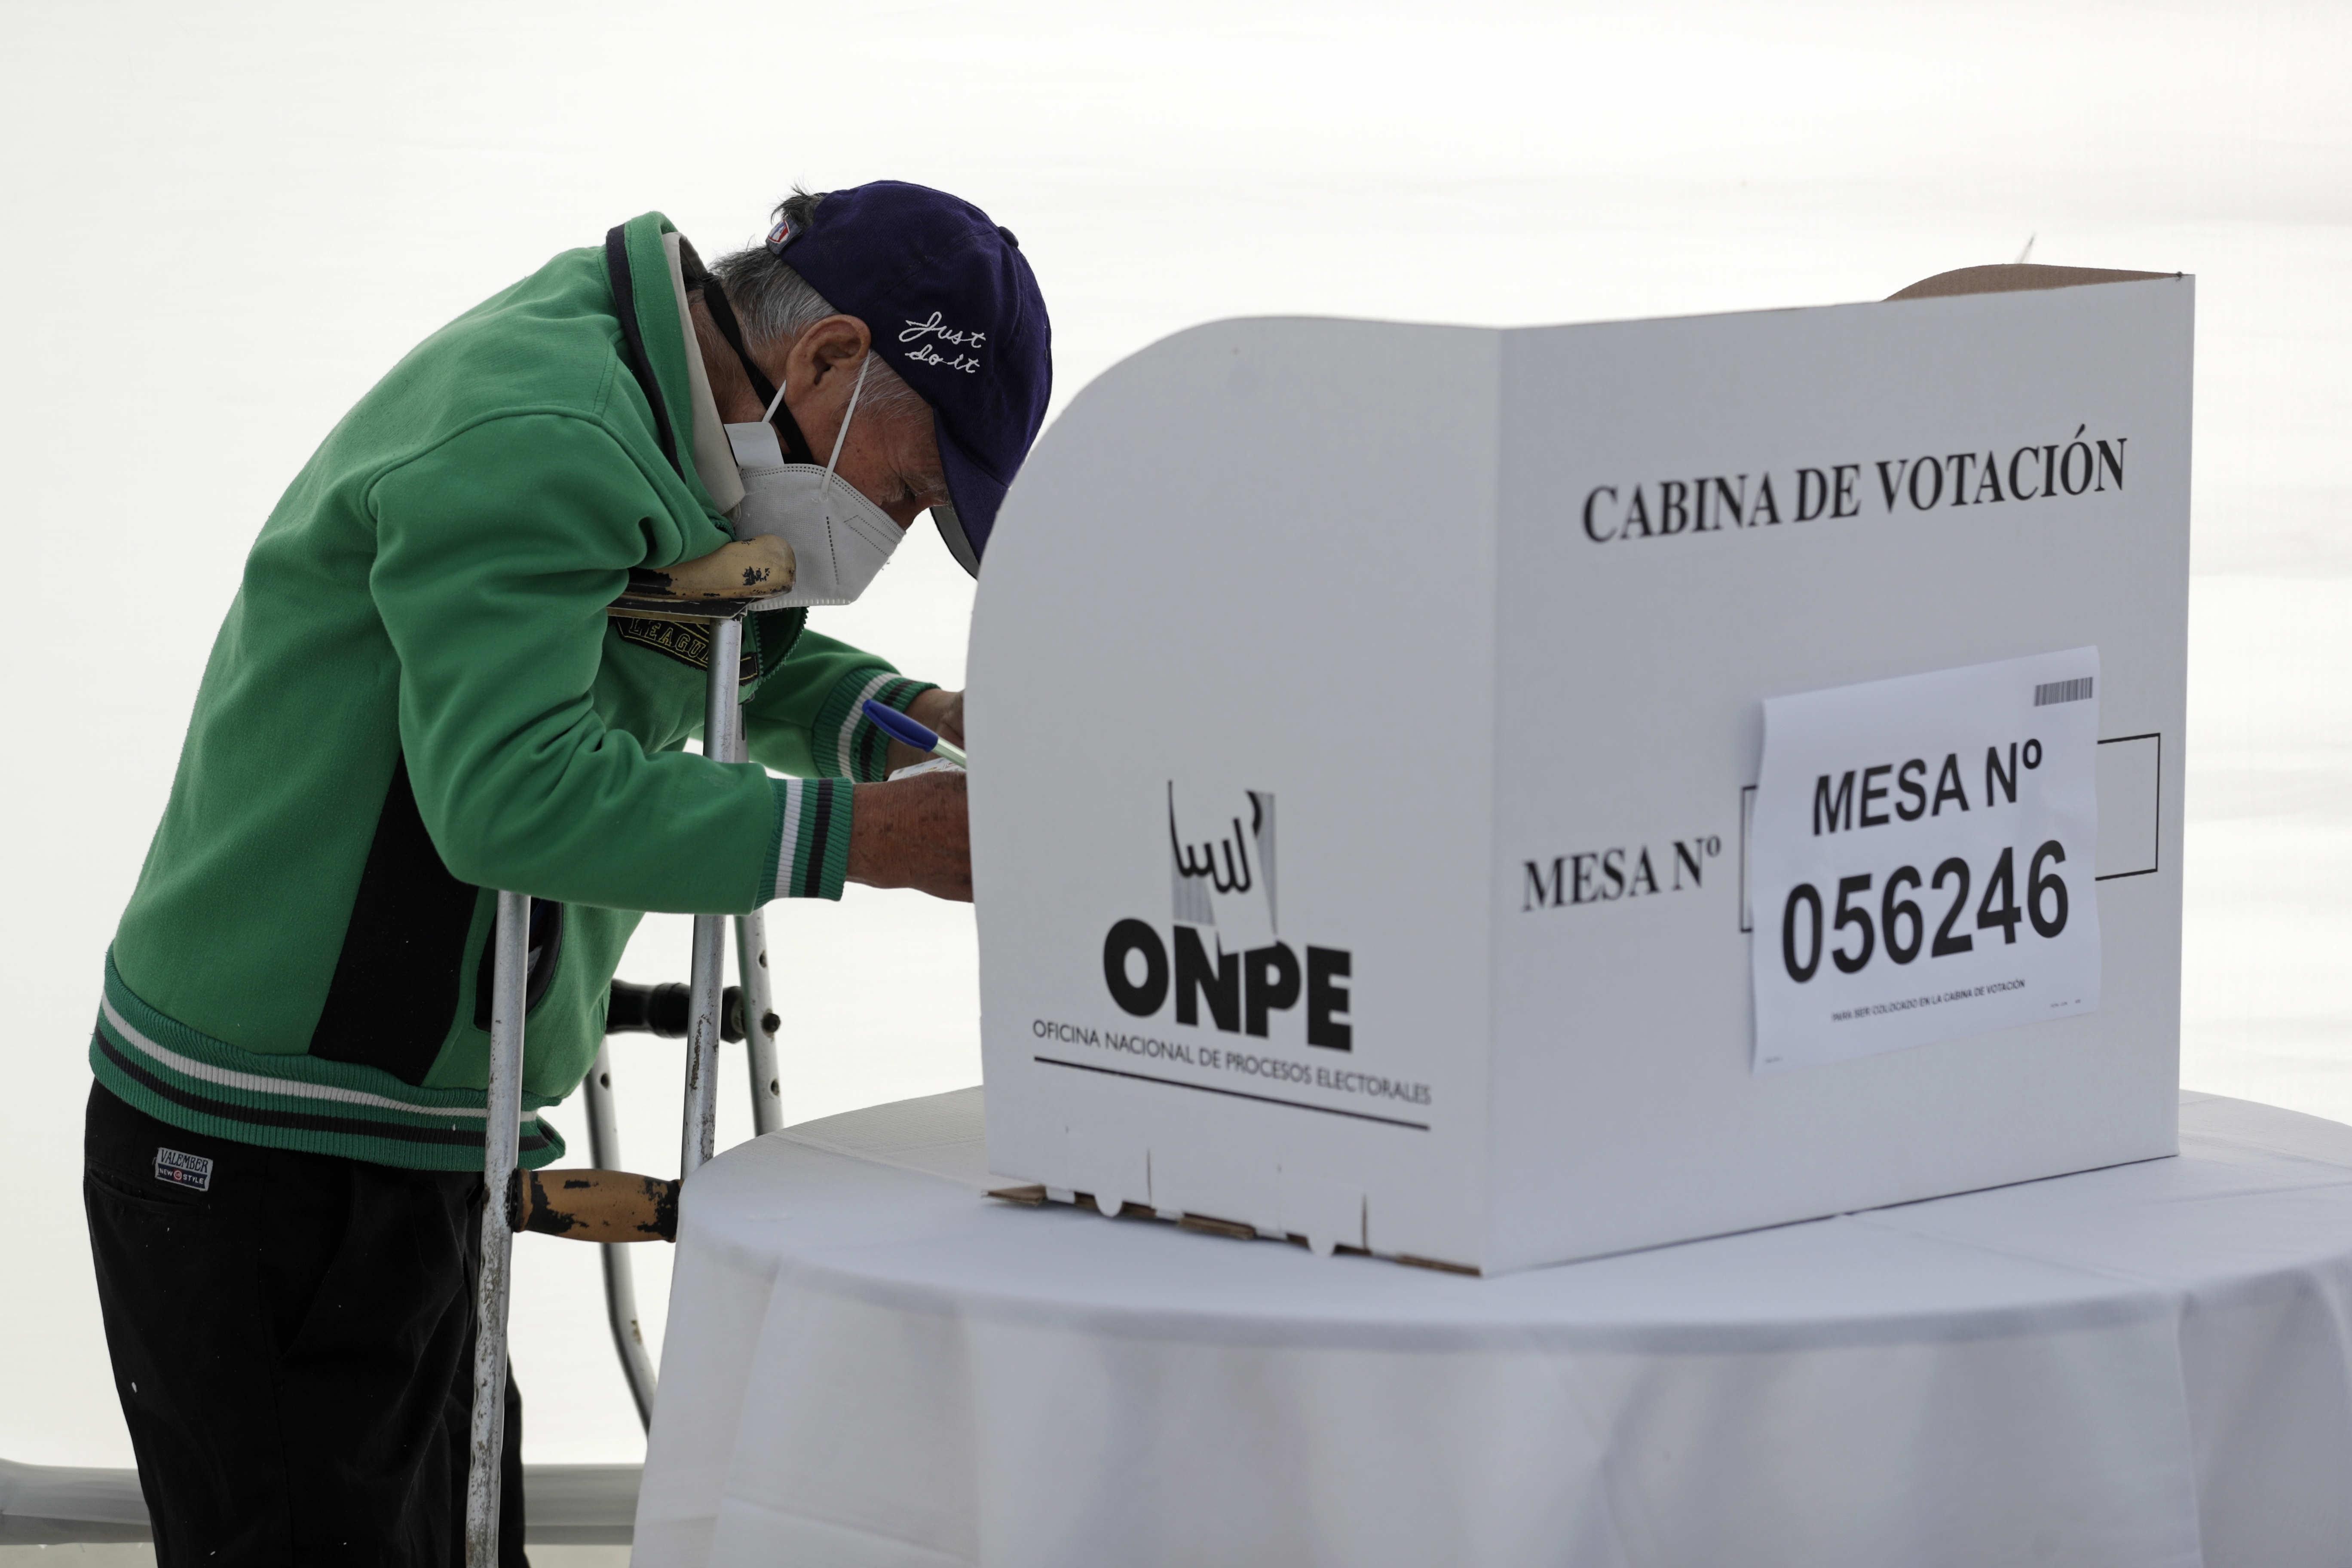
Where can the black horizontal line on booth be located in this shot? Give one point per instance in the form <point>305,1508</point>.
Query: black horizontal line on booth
<point>1235,1093</point>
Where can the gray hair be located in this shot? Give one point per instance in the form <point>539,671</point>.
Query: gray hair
<point>776,305</point>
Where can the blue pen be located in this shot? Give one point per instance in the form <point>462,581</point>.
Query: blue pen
<point>899,727</point>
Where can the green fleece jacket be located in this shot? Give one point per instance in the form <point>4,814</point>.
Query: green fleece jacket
<point>418,697</point>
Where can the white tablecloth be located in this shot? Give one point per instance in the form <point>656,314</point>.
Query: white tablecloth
<point>870,1364</point>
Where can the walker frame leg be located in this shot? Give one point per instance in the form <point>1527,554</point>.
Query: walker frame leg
<point>620,1271</point>
<point>722,717</point>
<point>760,1022</point>
<point>501,1149</point>
<point>752,973</point>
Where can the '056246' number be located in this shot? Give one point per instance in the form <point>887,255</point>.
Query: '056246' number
<point>1852,937</point>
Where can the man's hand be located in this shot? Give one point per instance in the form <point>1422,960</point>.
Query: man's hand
<point>913,834</point>
<point>939,711</point>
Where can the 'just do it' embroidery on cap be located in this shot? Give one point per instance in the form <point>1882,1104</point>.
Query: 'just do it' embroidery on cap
<point>930,332</point>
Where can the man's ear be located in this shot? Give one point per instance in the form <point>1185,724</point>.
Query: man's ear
<point>836,343</point>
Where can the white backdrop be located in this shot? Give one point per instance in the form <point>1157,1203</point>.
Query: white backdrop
<point>227,220</point>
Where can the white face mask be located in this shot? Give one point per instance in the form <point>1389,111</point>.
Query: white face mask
<point>840,540</point>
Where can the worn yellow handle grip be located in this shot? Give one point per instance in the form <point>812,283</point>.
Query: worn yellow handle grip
<point>718,584</point>
<point>594,1205</point>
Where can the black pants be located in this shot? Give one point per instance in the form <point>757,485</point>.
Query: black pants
<point>293,1344</point>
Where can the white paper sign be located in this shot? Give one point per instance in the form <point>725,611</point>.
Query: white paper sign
<point>1921,859</point>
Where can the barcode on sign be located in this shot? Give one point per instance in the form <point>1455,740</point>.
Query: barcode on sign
<point>2075,691</point>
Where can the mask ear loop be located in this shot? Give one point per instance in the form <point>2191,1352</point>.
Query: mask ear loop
<point>825,488</point>
<point>847,415</point>
<point>788,433</point>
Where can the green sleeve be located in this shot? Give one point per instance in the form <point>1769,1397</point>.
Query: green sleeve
<point>496,554</point>
<point>808,717</point>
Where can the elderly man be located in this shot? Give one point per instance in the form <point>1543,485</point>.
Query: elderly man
<point>418,697</point>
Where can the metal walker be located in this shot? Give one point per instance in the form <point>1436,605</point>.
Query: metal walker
<point>724,740</point>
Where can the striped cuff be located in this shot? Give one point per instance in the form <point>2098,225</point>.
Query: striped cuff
<point>811,846</point>
<point>846,743</point>
<point>159,1065</point>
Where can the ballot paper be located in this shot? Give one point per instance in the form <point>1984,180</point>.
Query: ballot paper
<point>1921,859</point>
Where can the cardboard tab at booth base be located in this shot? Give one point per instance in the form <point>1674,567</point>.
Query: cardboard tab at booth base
<point>1322,1240</point>
<point>1120,1178</point>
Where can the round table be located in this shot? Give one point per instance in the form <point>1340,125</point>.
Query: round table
<point>869,1362</point>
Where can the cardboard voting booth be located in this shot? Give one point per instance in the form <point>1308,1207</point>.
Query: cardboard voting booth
<point>1496,798</point>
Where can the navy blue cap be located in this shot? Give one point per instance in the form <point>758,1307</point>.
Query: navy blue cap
<point>956,312</point>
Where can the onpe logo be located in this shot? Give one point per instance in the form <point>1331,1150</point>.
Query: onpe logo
<point>1227,956</point>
